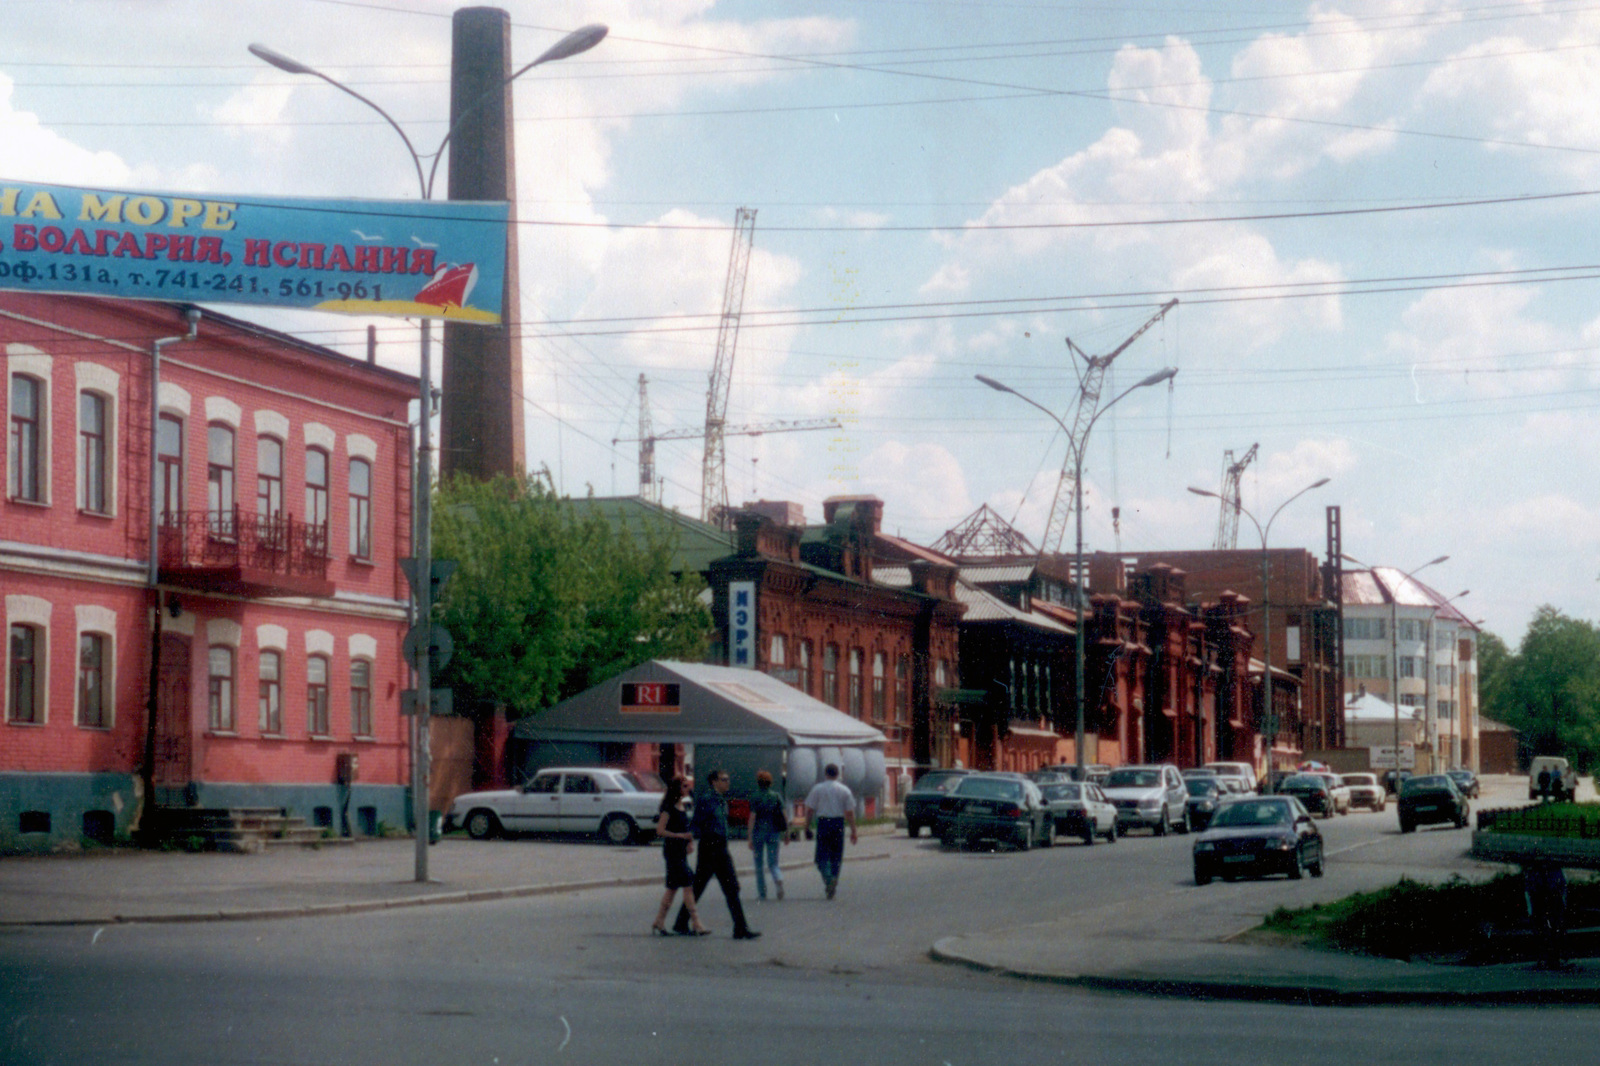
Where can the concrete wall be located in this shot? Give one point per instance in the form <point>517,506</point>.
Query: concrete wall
<point>54,808</point>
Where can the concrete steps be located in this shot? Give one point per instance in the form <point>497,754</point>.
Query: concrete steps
<point>242,829</point>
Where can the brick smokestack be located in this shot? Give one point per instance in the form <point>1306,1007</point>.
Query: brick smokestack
<point>480,424</point>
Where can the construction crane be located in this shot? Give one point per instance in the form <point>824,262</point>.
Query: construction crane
<point>1228,524</point>
<point>1088,409</point>
<point>714,474</point>
<point>649,488</point>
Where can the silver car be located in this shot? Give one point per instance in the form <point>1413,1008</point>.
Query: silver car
<point>1151,797</point>
<point>617,805</point>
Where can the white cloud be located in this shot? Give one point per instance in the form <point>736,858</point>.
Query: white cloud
<point>30,152</point>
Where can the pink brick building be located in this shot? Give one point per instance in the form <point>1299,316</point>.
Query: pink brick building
<point>281,489</point>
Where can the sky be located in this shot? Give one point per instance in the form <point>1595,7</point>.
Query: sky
<point>1376,218</point>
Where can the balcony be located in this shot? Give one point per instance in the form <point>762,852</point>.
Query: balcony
<point>244,554</point>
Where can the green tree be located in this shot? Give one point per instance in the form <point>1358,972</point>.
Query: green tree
<point>1550,689</point>
<point>546,603</point>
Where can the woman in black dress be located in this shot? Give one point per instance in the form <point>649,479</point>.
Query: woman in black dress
<point>672,826</point>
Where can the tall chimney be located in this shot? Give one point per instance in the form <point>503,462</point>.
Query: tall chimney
<point>480,424</point>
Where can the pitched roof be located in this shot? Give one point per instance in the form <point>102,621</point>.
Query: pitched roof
<point>695,543</point>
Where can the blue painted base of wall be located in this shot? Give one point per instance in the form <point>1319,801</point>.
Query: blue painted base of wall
<point>58,812</point>
<point>359,810</point>
<point>42,813</point>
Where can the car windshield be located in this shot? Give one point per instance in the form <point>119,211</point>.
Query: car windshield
<point>1461,775</point>
<point>1133,779</point>
<point>1059,792</point>
<point>937,782</point>
<point>1304,781</point>
<point>1201,786</point>
<point>1253,812</point>
<point>1359,779</point>
<point>1425,784</point>
<point>989,788</point>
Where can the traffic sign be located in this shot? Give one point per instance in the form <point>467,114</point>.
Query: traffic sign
<point>441,571</point>
<point>431,639</point>
<point>1381,756</point>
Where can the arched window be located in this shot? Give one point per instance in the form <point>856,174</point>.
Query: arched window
<point>880,686</point>
<point>269,674</point>
<point>360,509</point>
<point>317,695</point>
<point>220,688</point>
<point>24,692</point>
<point>169,454</point>
<point>361,697</point>
<point>316,502</point>
<point>269,477</point>
<point>855,682</point>
<point>219,480</point>
<point>25,474</point>
<point>93,427</point>
<point>830,675</point>
<point>94,706</point>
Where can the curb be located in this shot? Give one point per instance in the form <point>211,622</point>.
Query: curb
<point>328,910</point>
<point>1266,991</point>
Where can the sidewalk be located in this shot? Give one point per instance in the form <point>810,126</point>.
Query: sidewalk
<point>108,887</point>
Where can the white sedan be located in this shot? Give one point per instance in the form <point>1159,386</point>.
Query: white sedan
<point>1081,810</point>
<point>618,805</point>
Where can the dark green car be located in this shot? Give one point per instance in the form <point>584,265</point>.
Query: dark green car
<point>1432,798</point>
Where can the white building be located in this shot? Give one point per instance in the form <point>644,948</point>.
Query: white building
<point>1405,641</point>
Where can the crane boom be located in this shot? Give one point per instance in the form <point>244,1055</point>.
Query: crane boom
<point>1088,409</point>
<point>713,478</point>
<point>1232,500</point>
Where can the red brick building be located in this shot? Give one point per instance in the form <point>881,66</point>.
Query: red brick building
<point>818,619</point>
<point>278,474</point>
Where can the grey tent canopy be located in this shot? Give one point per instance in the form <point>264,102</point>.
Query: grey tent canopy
<point>709,705</point>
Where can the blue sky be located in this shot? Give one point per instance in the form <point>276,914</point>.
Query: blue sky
<point>1376,217</point>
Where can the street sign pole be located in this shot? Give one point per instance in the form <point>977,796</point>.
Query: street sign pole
<point>423,586</point>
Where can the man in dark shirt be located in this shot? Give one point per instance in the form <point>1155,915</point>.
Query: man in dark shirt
<point>710,828</point>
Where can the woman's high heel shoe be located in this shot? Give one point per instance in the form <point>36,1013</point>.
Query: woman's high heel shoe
<point>659,931</point>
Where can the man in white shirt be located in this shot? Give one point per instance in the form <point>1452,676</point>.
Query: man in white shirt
<point>829,806</point>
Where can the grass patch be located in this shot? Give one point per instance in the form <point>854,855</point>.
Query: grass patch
<point>1580,820</point>
<point>1411,919</point>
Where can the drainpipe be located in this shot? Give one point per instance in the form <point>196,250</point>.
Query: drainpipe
<point>147,769</point>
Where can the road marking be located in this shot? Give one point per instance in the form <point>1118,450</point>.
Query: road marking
<point>1354,847</point>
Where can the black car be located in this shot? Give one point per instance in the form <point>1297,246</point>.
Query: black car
<point>1432,798</point>
<point>1000,807</point>
<point>1205,793</point>
<point>922,802</point>
<point>1466,781</point>
<point>1311,790</point>
<point>1257,835</point>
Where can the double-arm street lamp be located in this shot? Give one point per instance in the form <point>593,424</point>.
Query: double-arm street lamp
<point>1269,717</point>
<point>580,40</point>
<point>1079,584</point>
<point>1394,650</point>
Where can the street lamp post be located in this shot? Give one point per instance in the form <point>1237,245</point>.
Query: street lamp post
<point>1269,718</point>
<point>1394,650</point>
<point>1078,447</point>
<point>580,40</point>
<point>1430,714</point>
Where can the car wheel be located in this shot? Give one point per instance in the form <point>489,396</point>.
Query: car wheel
<point>1297,869</point>
<point>1406,826</point>
<point>946,840</point>
<point>618,829</point>
<point>1162,823</point>
<point>1317,867</point>
<point>913,829</point>
<point>1113,833</point>
<point>1049,838</point>
<point>1025,841</point>
<point>481,825</point>
<point>1200,877</point>
<point>1185,825</point>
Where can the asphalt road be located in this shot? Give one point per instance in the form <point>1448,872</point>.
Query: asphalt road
<point>575,978</point>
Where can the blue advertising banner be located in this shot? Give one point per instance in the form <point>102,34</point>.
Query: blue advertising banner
<point>425,259</point>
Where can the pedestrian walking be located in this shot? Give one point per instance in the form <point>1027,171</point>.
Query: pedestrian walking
<point>710,827</point>
<point>672,826</point>
<point>830,805</point>
<point>767,827</point>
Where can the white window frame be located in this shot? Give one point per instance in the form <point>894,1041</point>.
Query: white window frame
<point>24,360</point>
<point>29,611</point>
<point>107,384</point>
<point>102,622</point>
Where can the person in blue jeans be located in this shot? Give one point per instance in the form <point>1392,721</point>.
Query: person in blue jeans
<point>768,825</point>
<point>831,805</point>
